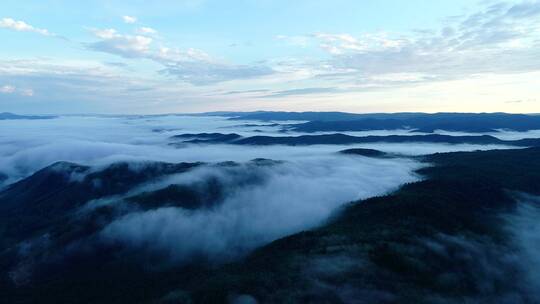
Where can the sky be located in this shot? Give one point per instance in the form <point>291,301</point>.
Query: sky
<point>165,56</point>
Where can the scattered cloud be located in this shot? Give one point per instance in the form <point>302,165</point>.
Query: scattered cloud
<point>21,26</point>
<point>301,41</point>
<point>116,64</point>
<point>7,89</point>
<point>146,31</point>
<point>303,91</point>
<point>68,85</point>
<point>88,86</point>
<point>10,89</point>
<point>521,100</point>
<point>27,92</point>
<point>191,65</point>
<point>501,38</point>
<point>338,44</point>
<point>205,73</point>
<point>129,19</point>
<point>255,91</point>
<point>128,46</point>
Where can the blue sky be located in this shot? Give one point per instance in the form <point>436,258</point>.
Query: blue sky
<point>196,55</point>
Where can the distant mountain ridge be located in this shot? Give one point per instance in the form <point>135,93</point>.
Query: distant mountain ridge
<point>342,121</point>
<point>420,122</point>
<point>314,116</point>
<point>428,123</point>
<point>343,139</point>
<point>7,115</point>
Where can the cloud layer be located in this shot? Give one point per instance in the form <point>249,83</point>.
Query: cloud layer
<point>21,26</point>
<point>29,145</point>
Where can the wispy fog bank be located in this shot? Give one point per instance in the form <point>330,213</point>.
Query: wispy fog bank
<point>292,196</point>
<point>525,227</point>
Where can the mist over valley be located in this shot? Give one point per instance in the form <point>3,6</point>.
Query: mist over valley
<point>190,201</point>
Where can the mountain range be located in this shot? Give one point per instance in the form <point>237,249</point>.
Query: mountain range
<point>439,238</point>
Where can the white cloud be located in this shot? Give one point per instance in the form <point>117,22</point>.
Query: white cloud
<point>146,30</point>
<point>85,86</point>
<point>105,33</point>
<point>27,92</point>
<point>130,46</point>
<point>171,56</point>
<point>301,41</point>
<point>7,89</point>
<point>499,39</point>
<point>191,65</point>
<point>338,44</point>
<point>21,26</point>
<point>129,19</point>
<point>400,77</point>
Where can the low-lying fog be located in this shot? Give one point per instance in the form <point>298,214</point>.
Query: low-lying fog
<point>29,145</point>
<point>261,204</point>
<point>283,198</point>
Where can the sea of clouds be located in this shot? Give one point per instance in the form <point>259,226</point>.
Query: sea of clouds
<point>29,145</point>
<point>300,193</point>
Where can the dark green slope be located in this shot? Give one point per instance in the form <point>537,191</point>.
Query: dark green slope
<point>51,251</point>
<point>441,239</point>
<point>47,198</point>
<point>364,152</point>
